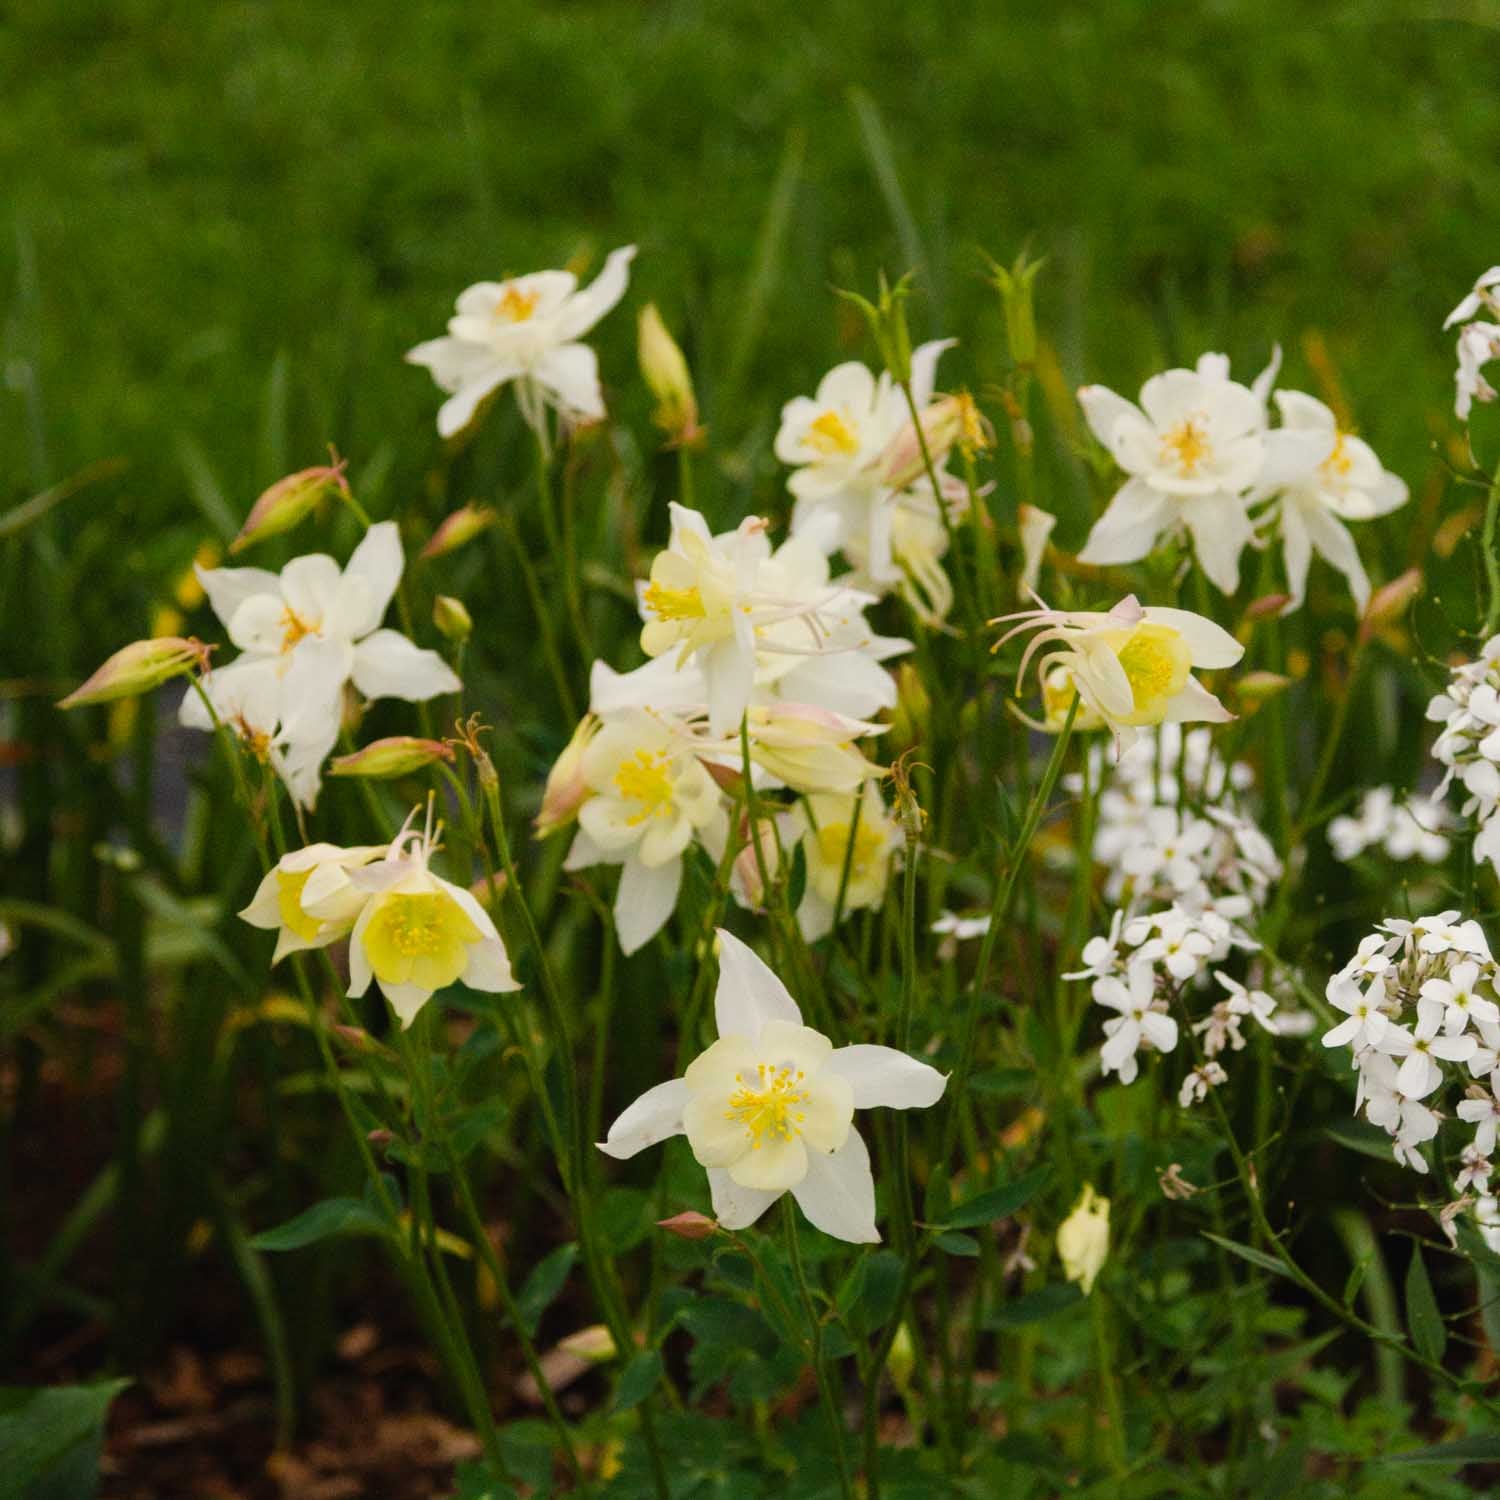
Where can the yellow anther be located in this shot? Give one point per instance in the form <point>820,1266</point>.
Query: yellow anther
<point>830,435</point>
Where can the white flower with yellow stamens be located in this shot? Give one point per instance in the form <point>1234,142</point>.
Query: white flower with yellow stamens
<point>317,876</point>
<point>769,1107</point>
<point>416,932</point>
<point>649,797</point>
<point>304,634</point>
<point>1132,666</point>
<point>524,330</point>
<point>1191,450</point>
<point>843,852</point>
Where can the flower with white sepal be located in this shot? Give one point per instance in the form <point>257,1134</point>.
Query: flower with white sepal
<point>317,877</point>
<point>768,1109</point>
<point>1141,1020</point>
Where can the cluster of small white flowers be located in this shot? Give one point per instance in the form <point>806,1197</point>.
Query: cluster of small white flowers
<point>1414,828</point>
<point>1478,343</point>
<point>1421,1015</point>
<point>1187,886</point>
<point>1468,745</point>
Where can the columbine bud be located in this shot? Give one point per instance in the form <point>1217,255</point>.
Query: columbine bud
<point>1255,688</point>
<point>462,526</point>
<point>1267,606</point>
<point>689,1225</point>
<point>666,373</point>
<point>1083,1239</point>
<point>566,789</point>
<point>745,875</point>
<point>902,1359</point>
<point>902,464</point>
<point>1388,603</point>
<point>595,1344</point>
<point>1017,297</point>
<point>139,667</point>
<point>452,619</point>
<point>887,320</point>
<point>398,756</point>
<point>287,501</point>
<point>810,749</point>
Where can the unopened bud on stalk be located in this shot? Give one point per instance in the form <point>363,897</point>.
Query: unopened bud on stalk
<point>1255,688</point>
<point>747,865</point>
<point>689,1225</point>
<point>669,379</point>
<point>455,530</point>
<point>1018,301</point>
<point>139,667</point>
<point>1267,606</point>
<point>452,618</point>
<point>566,789</point>
<point>399,755</point>
<point>887,319</point>
<point>595,1344</point>
<point>1388,603</point>
<point>287,501</point>
<point>902,1359</point>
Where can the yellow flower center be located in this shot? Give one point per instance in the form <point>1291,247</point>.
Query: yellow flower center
<point>646,779</point>
<point>674,604</point>
<point>516,306</point>
<point>423,935</point>
<point>1156,661</point>
<point>1339,462</point>
<point>294,628</point>
<point>830,435</point>
<point>289,904</point>
<point>768,1104</point>
<point>869,846</point>
<point>974,434</point>
<point>1187,446</point>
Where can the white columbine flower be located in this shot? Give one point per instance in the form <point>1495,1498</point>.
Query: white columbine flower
<point>1083,1239</point>
<point>769,1107</point>
<point>417,933</point>
<point>827,824</point>
<point>318,876</point>
<point>1192,450</point>
<point>303,634</point>
<point>648,798</point>
<point>1318,477</point>
<point>1130,666</point>
<point>524,330</point>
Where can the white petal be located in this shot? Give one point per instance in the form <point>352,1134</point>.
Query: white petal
<point>737,1207</point>
<point>730,670</point>
<point>1128,529</point>
<point>656,1116</point>
<point>387,665</point>
<point>228,588</point>
<point>571,374</point>
<point>883,1076</point>
<point>582,310</point>
<point>924,359</point>
<point>458,410</point>
<point>1211,645</point>
<point>644,901</point>
<point>377,562</point>
<point>749,995</point>
<point>838,1193</point>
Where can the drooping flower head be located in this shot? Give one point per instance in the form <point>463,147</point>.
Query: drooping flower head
<point>1130,666</point>
<point>317,877</point>
<point>769,1107</point>
<point>524,330</point>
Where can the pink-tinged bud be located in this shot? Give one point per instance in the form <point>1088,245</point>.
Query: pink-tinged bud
<point>689,1225</point>
<point>139,667</point>
<point>488,891</point>
<point>452,618</point>
<point>667,375</point>
<point>356,1037</point>
<point>1255,688</point>
<point>595,1344</point>
<point>461,527</point>
<point>747,865</point>
<point>901,465</point>
<point>287,501</point>
<point>380,1136</point>
<point>399,755</point>
<point>1267,606</point>
<point>1388,603</point>
<point>566,789</point>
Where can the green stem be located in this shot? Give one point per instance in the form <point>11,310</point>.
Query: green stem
<point>1492,556</point>
<point>560,540</point>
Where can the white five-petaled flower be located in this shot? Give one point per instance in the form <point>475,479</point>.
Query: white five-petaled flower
<point>1191,450</point>
<point>317,877</point>
<point>1366,1021</point>
<point>769,1107</point>
<point>1420,1048</point>
<point>303,634</point>
<point>1141,1019</point>
<point>524,330</point>
<point>648,796</point>
<point>1478,343</point>
<point>1318,477</point>
<point>416,932</point>
<point>1458,994</point>
<point>1131,666</point>
<point>1482,1110</point>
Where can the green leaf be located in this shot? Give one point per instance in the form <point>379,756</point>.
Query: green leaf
<point>1248,1252</point>
<point>540,1289</point>
<point>953,1243</point>
<point>996,1203</point>
<point>1035,1307</point>
<point>1368,1140</point>
<point>796,885</point>
<point>1356,1279</point>
<point>1469,1450</point>
<point>1429,1335</point>
<point>624,1218</point>
<point>42,1429</point>
<point>638,1379</point>
<point>325,1220</point>
<point>868,1296</point>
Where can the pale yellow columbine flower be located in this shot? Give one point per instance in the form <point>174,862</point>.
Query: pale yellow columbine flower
<point>1083,1239</point>
<point>317,876</point>
<point>418,933</point>
<point>806,748</point>
<point>1132,666</point>
<point>825,823</point>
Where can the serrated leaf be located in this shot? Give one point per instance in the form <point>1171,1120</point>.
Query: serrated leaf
<point>541,1287</point>
<point>996,1203</point>
<point>1248,1252</point>
<point>323,1221</point>
<point>1429,1334</point>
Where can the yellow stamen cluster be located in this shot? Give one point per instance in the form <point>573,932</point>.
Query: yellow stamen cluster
<point>646,778</point>
<point>674,604</point>
<point>1339,462</point>
<point>830,435</point>
<point>1187,446</point>
<point>1156,663</point>
<point>516,306</point>
<point>294,628</point>
<point>767,1105</point>
<point>869,846</point>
